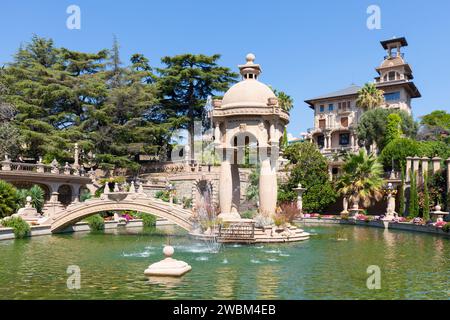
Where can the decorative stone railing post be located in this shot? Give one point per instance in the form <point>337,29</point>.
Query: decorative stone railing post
<point>6,164</point>
<point>436,164</point>
<point>67,169</point>
<point>300,192</point>
<point>40,167</point>
<point>106,190</point>
<point>425,167</point>
<point>132,187</point>
<point>116,187</point>
<point>415,165</point>
<point>55,165</point>
<point>408,168</point>
<point>141,188</point>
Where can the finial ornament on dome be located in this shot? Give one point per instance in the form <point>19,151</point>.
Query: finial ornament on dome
<point>250,70</point>
<point>250,58</point>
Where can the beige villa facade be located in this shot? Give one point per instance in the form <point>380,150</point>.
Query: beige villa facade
<point>336,114</point>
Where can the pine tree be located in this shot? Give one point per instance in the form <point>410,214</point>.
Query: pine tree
<point>186,81</point>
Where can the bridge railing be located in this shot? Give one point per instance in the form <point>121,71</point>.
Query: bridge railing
<point>55,168</point>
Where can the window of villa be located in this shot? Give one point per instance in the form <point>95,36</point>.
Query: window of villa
<point>322,123</point>
<point>344,138</point>
<point>330,107</point>
<point>321,141</point>
<point>392,96</point>
<point>335,170</point>
<point>392,75</point>
<point>322,108</point>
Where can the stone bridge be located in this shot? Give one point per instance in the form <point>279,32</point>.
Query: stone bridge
<point>121,201</point>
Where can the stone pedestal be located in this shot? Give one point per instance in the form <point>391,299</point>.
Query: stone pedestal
<point>168,267</point>
<point>300,192</point>
<point>438,214</point>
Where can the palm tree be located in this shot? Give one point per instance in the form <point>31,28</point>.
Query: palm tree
<point>285,101</point>
<point>362,179</point>
<point>369,97</point>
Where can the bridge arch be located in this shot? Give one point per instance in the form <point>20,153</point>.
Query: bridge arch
<point>76,212</point>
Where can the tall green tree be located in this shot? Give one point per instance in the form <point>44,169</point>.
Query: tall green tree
<point>284,101</point>
<point>362,179</point>
<point>52,89</point>
<point>413,196</point>
<point>426,199</point>
<point>393,127</point>
<point>309,168</point>
<point>185,83</point>
<point>435,125</point>
<point>369,97</point>
<point>401,194</point>
<point>372,126</point>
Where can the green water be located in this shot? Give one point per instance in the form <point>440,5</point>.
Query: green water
<point>413,266</point>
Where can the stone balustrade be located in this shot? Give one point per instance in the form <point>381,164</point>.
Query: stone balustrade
<point>54,168</point>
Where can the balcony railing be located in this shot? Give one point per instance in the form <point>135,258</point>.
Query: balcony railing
<point>329,128</point>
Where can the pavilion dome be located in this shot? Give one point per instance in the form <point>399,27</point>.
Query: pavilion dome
<point>249,92</point>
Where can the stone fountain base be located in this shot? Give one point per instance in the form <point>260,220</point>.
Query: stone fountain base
<point>268,234</point>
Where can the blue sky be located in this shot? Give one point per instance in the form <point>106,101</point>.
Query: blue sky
<point>306,48</point>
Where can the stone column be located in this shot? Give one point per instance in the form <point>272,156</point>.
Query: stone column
<point>352,140</point>
<point>436,164</point>
<point>267,204</point>
<point>225,185</point>
<point>415,164</point>
<point>408,168</point>
<point>424,168</point>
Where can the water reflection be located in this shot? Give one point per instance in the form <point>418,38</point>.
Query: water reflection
<point>413,266</point>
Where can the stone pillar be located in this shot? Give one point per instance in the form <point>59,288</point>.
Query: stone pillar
<point>415,164</point>
<point>424,169</point>
<point>267,204</point>
<point>436,164</point>
<point>225,185</point>
<point>236,188</point>
<point>6,164</point>
<point>408,168</point>
<point>352,140</point>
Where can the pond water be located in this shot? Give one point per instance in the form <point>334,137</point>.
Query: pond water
<point>331,265</point>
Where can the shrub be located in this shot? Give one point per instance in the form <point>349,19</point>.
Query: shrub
<point>187,203</point>
<point>96,222</point>
<point>262,221</point>
<point>279,220</point>
<point>446,227</point>
<point>148,220</point>
<point>37,195</point>
<point>345,216</point>
<point>21,227</point>
<point>8,199</point>
<point>85,195</point>
<point>290,211</point>
<point>249,214</point>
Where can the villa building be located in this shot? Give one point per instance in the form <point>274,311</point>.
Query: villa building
<point>336,114</point>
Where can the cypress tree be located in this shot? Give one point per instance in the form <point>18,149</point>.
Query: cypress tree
<point>426,199</point>
<point>413,198</point>
<point>401,195</point>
